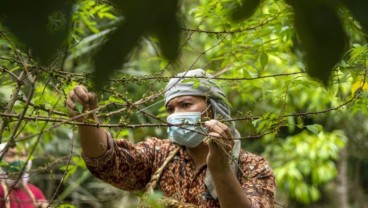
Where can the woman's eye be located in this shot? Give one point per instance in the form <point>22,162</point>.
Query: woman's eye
<point>186,105</point>
<point>10,155</point>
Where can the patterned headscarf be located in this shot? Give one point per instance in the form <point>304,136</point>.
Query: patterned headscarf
<point>199,83</point>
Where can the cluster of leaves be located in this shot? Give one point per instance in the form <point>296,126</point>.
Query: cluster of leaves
<point>41,25</point>
<point>87,14</point>
<point>317,24</point>
<point>304,162</point>
<point>319,28</point>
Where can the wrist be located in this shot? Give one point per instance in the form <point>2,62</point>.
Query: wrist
<point>220,169</point>
<point>90,118</point>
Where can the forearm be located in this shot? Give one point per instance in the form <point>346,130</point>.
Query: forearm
<point>229,190</point>
<point>93,140</point>
<point>124,165</point>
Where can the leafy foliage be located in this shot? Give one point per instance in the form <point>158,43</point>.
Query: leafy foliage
<point>322,36</point>
<point>308,163</point>
<point>317,23</point>
<point>41,25</point>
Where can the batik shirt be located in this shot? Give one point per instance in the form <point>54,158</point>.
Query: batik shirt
<point>130,167</point>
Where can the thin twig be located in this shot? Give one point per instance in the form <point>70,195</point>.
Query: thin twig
<point>66,169</point>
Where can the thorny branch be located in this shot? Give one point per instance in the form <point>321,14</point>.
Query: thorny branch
<point>150,125</point>
<point>11,102</point>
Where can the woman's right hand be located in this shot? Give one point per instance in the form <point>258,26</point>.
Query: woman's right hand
<point>79,101</point>
<point>93,139</point>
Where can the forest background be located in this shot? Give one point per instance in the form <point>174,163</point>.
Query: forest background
<point>294,73</point>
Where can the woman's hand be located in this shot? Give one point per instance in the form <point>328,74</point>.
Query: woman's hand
<point>93,139</point>
<point>220,145</point>
<point>79,101</point>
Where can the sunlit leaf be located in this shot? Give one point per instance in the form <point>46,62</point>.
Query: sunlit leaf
<point>79,107</point>
<point>263,59</point>
<point>315,128</point>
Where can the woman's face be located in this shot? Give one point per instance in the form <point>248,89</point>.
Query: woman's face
<point>13,154</point>
<point>16,160</point>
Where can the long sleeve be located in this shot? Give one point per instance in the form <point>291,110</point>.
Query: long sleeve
<point>125,165</point>
<point>258,180</point>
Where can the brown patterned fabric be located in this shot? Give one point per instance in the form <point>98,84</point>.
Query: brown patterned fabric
<point>130,167</point>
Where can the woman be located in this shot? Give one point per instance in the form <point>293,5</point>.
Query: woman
<point>208,170</point>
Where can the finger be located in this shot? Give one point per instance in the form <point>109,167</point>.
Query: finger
<point>82,93</point>
<point>210,125</point>
<point>75,115</point>
<point>221,131</point>
<point>73,99</point>
<point>214,127</point>
<point>70,104</point>
<point>218,127</point>
<point>225,129</point>
<point>223,140</point>
<point>72,113</point>
<point>219,142</point>
<point>92,100</point>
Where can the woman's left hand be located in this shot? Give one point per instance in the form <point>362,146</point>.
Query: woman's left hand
<point>220,145</point>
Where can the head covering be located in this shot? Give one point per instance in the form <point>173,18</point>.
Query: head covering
<point>198,82</point>
<point>195,82</point>
<point>2,147</point>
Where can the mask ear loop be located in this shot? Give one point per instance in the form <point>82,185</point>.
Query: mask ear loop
<point>205,130</point>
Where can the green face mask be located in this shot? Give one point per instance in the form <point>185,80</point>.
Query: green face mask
<point>14,168</point>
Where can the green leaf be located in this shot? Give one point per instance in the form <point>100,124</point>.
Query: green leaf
<point>160,19</point>
<point>315,128</point>
<point>79,107</point>
<point>246,10</point>
<point>168,32</point>
<point>314,193</point>
<point>263,59</point>
<point>66,206</point>
<point>71,170</point>
<point>120,44</point>
<point>322,36</point>
<point>41,25</point>
<point>196,82</point>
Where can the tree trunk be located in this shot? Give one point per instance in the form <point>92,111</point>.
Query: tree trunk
<point>342,193</point>
<point>357,193</point>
